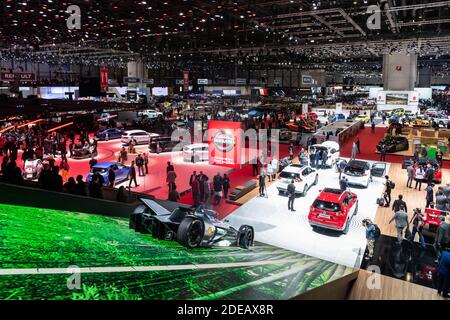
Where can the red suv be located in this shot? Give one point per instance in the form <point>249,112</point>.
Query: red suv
<point>333,209</point>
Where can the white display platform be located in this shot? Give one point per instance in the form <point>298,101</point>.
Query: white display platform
<point>277,226</point>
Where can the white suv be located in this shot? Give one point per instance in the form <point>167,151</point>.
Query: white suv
<point>360,173</point>
<point>304,178</point>
<point>151,114</point>
<point>196,152</point>
<point>332,149</point>
<point>141,136</point>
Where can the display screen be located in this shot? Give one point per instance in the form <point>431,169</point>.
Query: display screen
<point>397,99</point>
<point>160,91</point>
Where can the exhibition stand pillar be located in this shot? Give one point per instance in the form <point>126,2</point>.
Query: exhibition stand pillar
<point>399,72</point>
<point>424,77</point>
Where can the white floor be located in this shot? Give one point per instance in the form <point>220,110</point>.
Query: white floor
<point>277,226</point>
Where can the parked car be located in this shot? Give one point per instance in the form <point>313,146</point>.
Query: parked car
<point>364,118</point>
<point>437,169</point>
<point>190,227</point>
<point>301,126</point>
<point>285,134</point>
<point>422,121</point>
<point>141,136</point>
<point>304,178</point>
<point>360,172</point>
<point>109,134</point>
<point>164,144</point>
<point>442,120</point>
<point>332,149</point>
<point>196,152</point>
<point>151,114</point>
<point>83,151</point>
<point>394,144</point>
<point>333,209</point>
<point>122,171</point>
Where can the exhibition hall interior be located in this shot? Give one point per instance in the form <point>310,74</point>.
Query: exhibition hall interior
<point>224,150</point>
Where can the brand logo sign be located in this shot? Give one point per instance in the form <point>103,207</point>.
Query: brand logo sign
<point>224,141</point>
<point>21,77</point>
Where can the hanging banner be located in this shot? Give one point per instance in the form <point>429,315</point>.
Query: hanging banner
<point>104,78</point>
<point>186,81</point>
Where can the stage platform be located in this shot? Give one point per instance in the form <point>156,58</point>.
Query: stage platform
<point>41,249</point>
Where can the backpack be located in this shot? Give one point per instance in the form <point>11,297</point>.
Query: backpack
<point>377,231</point>
<point>392,184</point>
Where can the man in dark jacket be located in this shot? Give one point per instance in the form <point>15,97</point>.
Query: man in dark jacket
<point>399,203</point>
<point>291,195</point>
<point>444,274</point>
<point>343,183</point>
<point>430,195</point>
<point>111,177</point>
<point>262,184</point>
<point>429,174</point>
<point>218,185</point>
<point>442,237</point>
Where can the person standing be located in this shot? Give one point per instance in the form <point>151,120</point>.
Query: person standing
<point>371,237</point>
<point>317,159</point>
<point>170,179</point>
<point>354,150</point>
<point>132,175</point>
<point>410,173</point>
<point>358,145</point>
<point>192,177</point>
<point>324,159</point>
<point>174,196</point>
<point>170,167</point>
<point>341,168</point>
<point>291,151</point>
<point>123,157</point>
<point>439,157</point>
<point>146,163</point>
<point>291,195</point>
<point>262,184</point>
<point>441,200</point>
<point>444,274</point>
<point>343,184</point>
<point>383,152</point>
<point>206,190</point>
<point>399,203</point>
<point>217,182</point>
<point>226,185</point>
<point>429,174</point>
<point>195,186</point>
<point>441,238</point>
<point>140,165</point>
<point>430,195</point>
<point>111,177</point>
<point>418,221</point>
<point>419,176</point>
<point>401,222</point>
<point>387,192</point>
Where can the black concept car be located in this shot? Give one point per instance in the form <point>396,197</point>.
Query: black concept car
<point>189,226</point>
<point>394,144</point>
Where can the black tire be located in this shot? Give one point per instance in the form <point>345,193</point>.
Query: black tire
<point>190,232</point>
<point>246,237</point>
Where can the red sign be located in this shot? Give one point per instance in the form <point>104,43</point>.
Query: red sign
<point>398,68</point>
<point>185,81</point>
<point>104,78</point>
<point>21,77</point>
<point>224,140</point>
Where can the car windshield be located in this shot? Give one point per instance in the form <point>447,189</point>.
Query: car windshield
<point>289,175</point>
<point>326,206</point>
<point>100,170</point>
